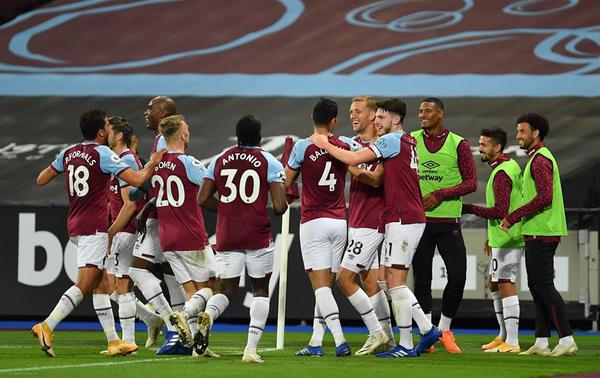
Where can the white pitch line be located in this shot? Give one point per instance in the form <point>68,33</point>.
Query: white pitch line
<point>93,364</point>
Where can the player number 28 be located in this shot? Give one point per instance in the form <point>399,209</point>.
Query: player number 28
<point>167,189</point>
<point>229,175</point>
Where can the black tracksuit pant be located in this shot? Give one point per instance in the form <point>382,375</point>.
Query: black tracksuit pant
<point>550,308</point>
<point>448,239</point>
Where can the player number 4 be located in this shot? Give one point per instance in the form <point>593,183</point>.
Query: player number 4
<point>328,178</point>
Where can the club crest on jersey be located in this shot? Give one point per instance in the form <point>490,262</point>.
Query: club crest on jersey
<point>115,158</point>
<point>317,154</point>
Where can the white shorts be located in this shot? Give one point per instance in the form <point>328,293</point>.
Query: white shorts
<point>91,249</point>
<point>109,264</point>
<point>505,263</point>
<point>197,266</point>
<point>362,252</point>
<point>400,243</point>
<point>147,246</point>
<point>122,250</point>
<point>258,262</point>
<point>322,243</point>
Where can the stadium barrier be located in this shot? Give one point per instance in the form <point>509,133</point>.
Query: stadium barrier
<point>40,264</point>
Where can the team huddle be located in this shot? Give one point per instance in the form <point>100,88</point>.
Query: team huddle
<point>405,200</point>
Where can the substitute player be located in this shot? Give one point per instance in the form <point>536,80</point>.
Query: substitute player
<point>503,194</point>
<point>243,176</point>
<point>404,218</point>
<point>447,172</point>
<point>543,223</point>
<point>88,166</point>
<point>181,229</point>
<point>122,237</point>
<point>364,239</point>
<point>322,223</point>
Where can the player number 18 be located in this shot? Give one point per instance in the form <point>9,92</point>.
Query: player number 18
<point>78,180</point>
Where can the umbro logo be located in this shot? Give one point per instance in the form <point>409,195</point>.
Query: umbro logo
<point>430,164</point>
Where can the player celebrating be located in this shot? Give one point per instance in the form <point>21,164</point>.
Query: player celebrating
<point>543,223</point>
<point>404,219</point>
<point>503,194</point>
<point>147,250</point>
<point>181,230</point>
<point>243,176</point>
<point>322,223</point>
<point>121,237</point>
<point>89,166</point>
<point>361,256</point>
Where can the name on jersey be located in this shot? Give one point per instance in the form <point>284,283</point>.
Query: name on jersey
<point>242,156</point>
<point>317,154</point>
<point>80,154</point>
<point>167,165</point>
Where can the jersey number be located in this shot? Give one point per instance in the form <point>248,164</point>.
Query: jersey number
<point>78,180</point>
<point>414,159</point>
<point>168,190</point>
<point>327,178</point>
<point>229,175</point>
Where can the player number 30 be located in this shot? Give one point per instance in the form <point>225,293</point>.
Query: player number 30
<point>234,191</point>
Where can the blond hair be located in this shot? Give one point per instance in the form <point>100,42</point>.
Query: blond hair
<point>169,126</point>
<point>369,100</point>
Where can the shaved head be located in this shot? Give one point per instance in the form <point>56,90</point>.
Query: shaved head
<point>158,108</point>
<point>165,104</point>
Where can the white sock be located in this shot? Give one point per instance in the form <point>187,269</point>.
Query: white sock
<point>511,310</point>
<point>192,323</point>
<point>445,323</point>
<point>319,327</point>
<point>66,304</point>
<point>386,290</point>
<point>176,292</point>
<point>259,311</point>
<point>105,315</point>
<point>197,302</point>
<point>566,340</point>
<point>329,308</point>
<point>382,310</point>
<point>422,319</point>
<point>403,314</point>
<point>149,285</point>
<point>497,300</point>
<point>127,313</point>
<point>541,342</point>
<point>143,312</point>
<point>216,306</point>
<point>362,304</point>
<point>429,316</point>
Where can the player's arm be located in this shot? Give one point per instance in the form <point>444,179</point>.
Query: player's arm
<point>46,175</point>
<point>502,186</point>
<point>277,190</point>
<point>372,178</point>
<point>124,215</point>
<point>138,178</point>
<point>206,195</point>
<point>142,217</point>
<point>347,157</point>
<point>290,176</point>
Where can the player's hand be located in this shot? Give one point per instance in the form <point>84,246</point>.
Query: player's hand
<point>319,140</point>
<point>486,248</point>
<point>430,202</point>
<point>505,225</point>
<point>156,157</point>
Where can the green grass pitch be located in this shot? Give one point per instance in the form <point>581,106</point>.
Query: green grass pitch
<point>77,355</point>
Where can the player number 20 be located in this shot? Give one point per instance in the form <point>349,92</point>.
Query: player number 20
<point>249,174</point>
<point>167,191</point>
<point>78,180</point>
